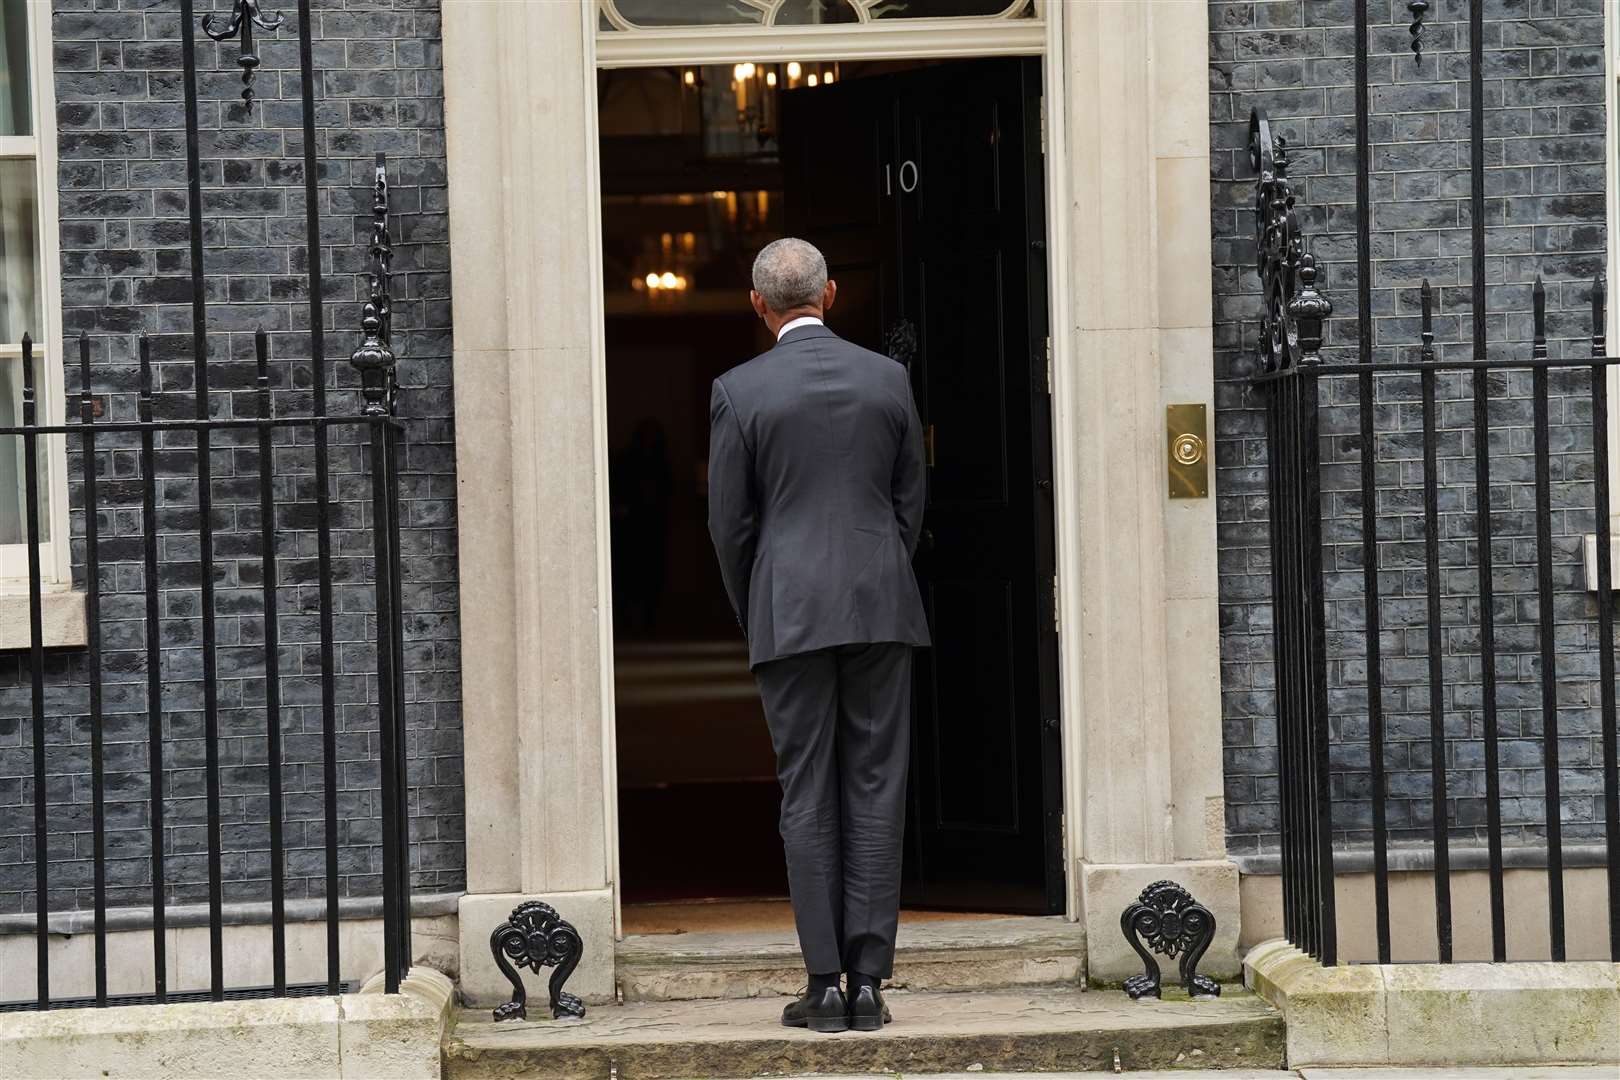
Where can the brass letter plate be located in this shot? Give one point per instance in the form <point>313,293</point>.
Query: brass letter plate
<point>1188,448</point>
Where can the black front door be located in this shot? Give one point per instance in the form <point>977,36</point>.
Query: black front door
<point>924,188</point>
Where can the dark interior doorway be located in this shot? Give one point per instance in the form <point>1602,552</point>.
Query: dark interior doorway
<point>922,183</point>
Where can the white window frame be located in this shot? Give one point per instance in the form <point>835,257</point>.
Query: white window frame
<point>50,383</point>
<point>955,37</point>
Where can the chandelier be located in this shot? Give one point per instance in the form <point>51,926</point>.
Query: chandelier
<point>748,104</point>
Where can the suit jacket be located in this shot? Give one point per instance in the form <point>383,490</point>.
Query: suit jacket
<point>816,490</point>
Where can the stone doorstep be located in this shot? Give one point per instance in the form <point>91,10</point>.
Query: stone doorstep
<point>979,954</point>
<point>1526,1013</point>
<point>1044,1030</point>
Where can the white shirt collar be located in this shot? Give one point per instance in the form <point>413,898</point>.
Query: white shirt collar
<point>794,324</point>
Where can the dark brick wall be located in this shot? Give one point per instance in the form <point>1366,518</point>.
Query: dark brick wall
<point>125,267</point>
<point>1544,90</point>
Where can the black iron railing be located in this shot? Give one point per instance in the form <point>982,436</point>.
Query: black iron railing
<point>161,432</point>
<point>1314,407</point>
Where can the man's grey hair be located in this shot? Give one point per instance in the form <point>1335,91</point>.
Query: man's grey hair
<point>790,273</point>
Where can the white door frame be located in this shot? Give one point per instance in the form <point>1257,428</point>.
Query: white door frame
<point>910,39</point>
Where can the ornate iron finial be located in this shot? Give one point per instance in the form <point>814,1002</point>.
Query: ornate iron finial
<point>1292,311</point>
<point>1538,296</point>
<point>535,936</point>
<point>1171,922</point>
<point>1308,310</point>
<point>375,359</point>
<point>1418,8</point>
<point>245,14</point>
<point>1600,292</point>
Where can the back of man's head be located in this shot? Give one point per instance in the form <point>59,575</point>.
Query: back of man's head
<point>790,273</point>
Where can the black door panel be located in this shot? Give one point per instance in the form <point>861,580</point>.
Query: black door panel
<point>924,188</point>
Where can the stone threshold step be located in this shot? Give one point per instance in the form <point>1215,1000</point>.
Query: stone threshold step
<point>1046,1030</point>
<point>974,954</point>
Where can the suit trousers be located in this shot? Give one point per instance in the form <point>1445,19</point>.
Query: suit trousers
<point>840,721</point>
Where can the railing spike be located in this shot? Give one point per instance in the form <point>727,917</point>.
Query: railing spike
<point>1539,295</point>
<point>28,372</point>
<point>144,348</point>
<point>86,402</point>
<point>1427,349</point>
<point>1600,291</point>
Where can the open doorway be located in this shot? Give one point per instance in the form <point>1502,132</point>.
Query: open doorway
<point>922,183</point>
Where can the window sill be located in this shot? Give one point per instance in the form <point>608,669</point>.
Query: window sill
<point>61,617</point>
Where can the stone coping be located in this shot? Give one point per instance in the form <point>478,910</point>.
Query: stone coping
<point>80,921</point>
<point>356,1036</point>
<point>1523,1013</point>
<point>1359,860</point>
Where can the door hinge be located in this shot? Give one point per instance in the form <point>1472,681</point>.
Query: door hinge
<point>1042,101</point>
<point>1040,354</point>
<point>1057,612</point>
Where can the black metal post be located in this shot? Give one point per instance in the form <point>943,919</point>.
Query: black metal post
<point>323,511</point>
<point>1482,470</point>
<point>92,617</point>
<point>374,360</point>
<point>272,669</point>
<point>1314,612</point>
<point>154,672</point>
<point>36,665</point>
<point>205,505</point>
<point>1369,487</point>
<point>1437,684</point>
<point>1375,665</point>
<point>1605,603</point>
<point>1547,634</point>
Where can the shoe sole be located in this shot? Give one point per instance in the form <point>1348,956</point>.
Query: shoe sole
<point>866,1023</point>
<point>828,1025</point>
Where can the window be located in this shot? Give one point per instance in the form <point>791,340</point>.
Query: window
<point>647,14</point>
<point>29,287</point>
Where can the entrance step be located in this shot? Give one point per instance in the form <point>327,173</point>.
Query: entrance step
<point>970,954</point>
<point>1044,1030</point>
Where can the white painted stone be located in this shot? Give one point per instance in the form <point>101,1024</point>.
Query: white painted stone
<point>1106,891</point>
<point>1531,1013</point>
<point>434,941</point>
<point>1536,1013</point>
<point>482,983</point>
<point>61,613</point>
<point>531,452</point>
<point>1411,897</point>
<point>365,1036</point>
<point>397,1036</point>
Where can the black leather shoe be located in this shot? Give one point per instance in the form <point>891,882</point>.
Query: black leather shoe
<point>818,1010</point>
<point>867,1012</point>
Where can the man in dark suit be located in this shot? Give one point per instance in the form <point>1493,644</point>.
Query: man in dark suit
<point>816,492</point>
